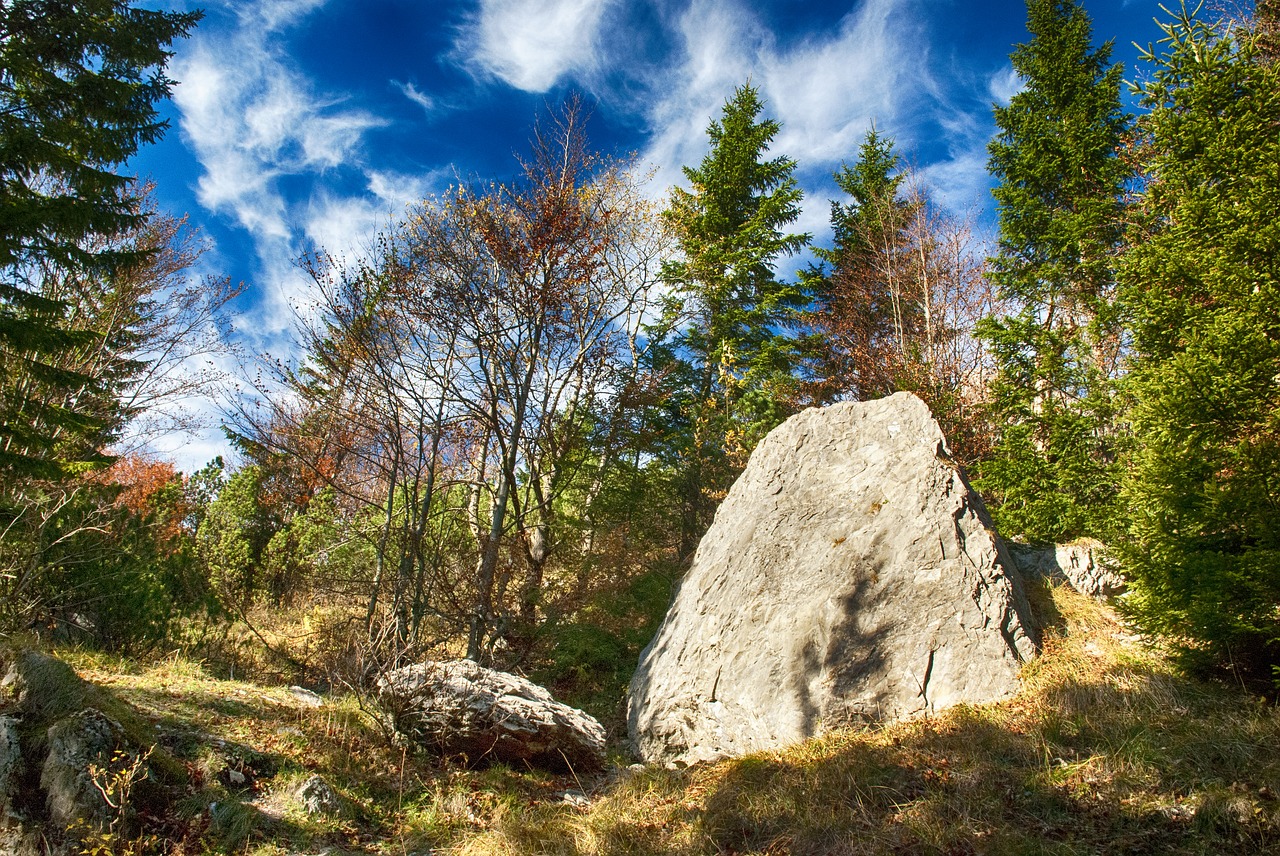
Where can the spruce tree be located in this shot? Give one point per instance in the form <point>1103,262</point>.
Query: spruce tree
<point>1201,287</point>
<point>729,348</point>
<point>1060,194</point>
<point>78,87</point>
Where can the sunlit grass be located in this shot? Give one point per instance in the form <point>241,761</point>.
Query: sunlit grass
<point>1107,749</point>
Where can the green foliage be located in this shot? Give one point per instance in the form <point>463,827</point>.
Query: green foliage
<point>88,565</point>
<point>863,316</point>
<point>233,537</point>
<point>594,654</point>
<point>77,99</point>
<point>1060,202</point>
<point>1201,286</point>
<point>318,549</point>
<point>728,355</point>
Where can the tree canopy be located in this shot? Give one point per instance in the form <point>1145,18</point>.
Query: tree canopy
<point>79,84</point>
<point>1060,196</point>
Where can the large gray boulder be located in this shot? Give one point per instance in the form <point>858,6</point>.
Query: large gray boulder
<point>461,709</point>
<point>851,575</point>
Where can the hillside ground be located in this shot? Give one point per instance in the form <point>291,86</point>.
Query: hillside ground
<point>1107,749</point>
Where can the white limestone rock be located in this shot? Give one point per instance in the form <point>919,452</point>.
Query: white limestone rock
<point>851,575</point>
<point>459,708</point>
<point>1081,564</point>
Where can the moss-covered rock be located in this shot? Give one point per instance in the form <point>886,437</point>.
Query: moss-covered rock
<point>79,757</point>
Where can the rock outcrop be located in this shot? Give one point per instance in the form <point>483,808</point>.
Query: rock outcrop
<point>78,767</point>
<point>317,797</point>
<point>851,575</point>
<point>65,746</point>
<point>10,767</point>
<point>1081,564</point>
<point>461,709</point>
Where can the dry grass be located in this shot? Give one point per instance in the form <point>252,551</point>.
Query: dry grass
<point>1107,750</point>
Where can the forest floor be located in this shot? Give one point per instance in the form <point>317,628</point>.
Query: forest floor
<point>1106,750</point>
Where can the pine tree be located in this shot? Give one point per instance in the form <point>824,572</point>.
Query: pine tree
<point>732,353</point>
<point>1060,203</point>
<point>1201,286</point>
<point>78,87</point>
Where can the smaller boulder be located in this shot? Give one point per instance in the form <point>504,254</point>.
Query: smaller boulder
<point>317,797</point>
<point>1081,564</point>
<point>462,709</point>
<point>78,773</point>
<point>305,697</point>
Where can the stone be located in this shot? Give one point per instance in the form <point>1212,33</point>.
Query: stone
<point>61,728</point>
<point>1082,564</point>
<point>10,769</point>
<point>27,840</point>
<point>461,709</point>
<point>306,697</point>
<point>850,576</point>
<point>84,739</point>
<point>574,799</point>
<point>239,767</point>
<point>317,797</point>
<point>44,687</point>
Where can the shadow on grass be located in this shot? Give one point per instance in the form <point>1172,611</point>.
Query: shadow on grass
<point>1102,755</point>
<point>1146,764</point>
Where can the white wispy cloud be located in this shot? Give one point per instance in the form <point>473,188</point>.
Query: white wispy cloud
<point>960,182</point>
<point>826,90</point>
<point>417,96</point>
<point>1004,84</point>
<point>344,225</point>
<point>274,14</point>
<point>531,44</point>
<point>830,90</point>
<point>255,122</point>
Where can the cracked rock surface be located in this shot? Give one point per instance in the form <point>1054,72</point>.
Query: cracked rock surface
<point>459,708</point>
<point>1082,564</point>
<point>10,767</point>
<point>851,575</point>
<point>76,743</point>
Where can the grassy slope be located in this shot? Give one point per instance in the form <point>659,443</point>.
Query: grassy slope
<point>1106,750</point>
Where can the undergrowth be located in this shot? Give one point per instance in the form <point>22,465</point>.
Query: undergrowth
<point>1107,749</point>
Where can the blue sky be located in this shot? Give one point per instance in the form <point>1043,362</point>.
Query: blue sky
<point>311,123</point>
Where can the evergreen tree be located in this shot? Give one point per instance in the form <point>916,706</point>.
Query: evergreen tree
<point>865,311</point>
<point>1060,203</point>
<point>78,87</point>
<point>732,354</point>
<point>1201,283</point>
